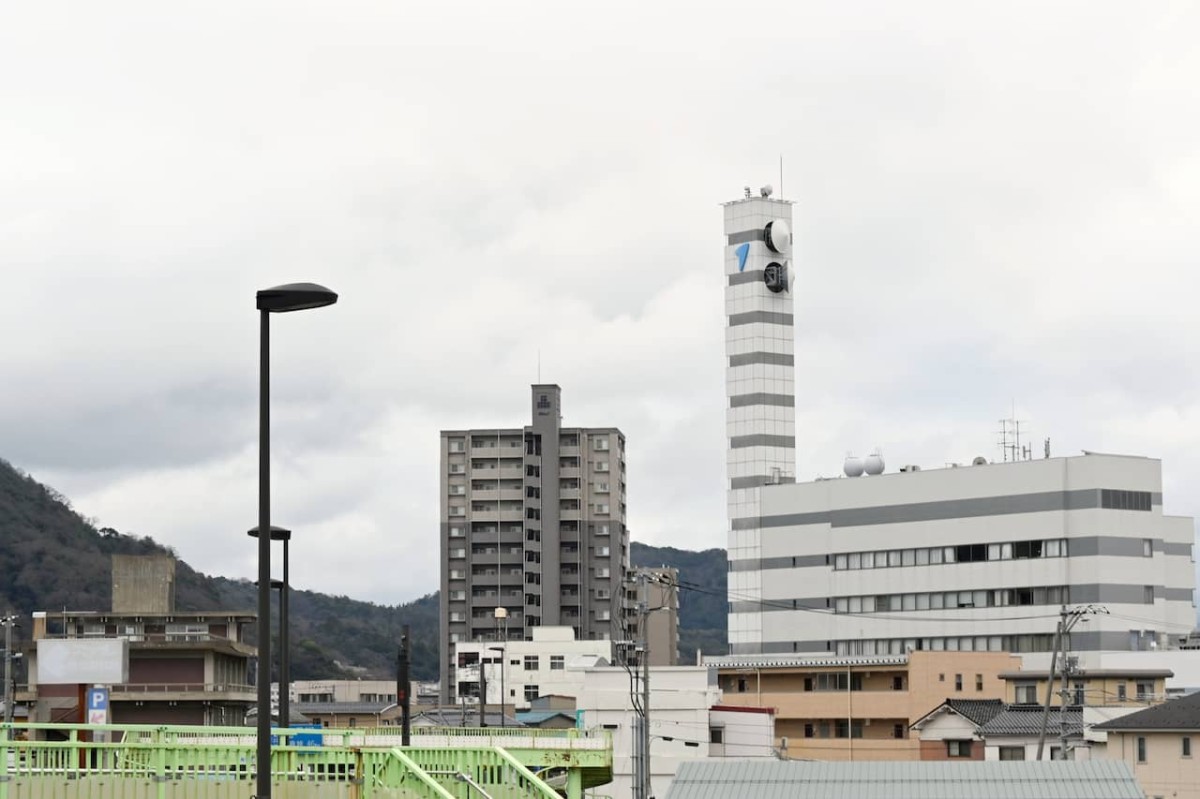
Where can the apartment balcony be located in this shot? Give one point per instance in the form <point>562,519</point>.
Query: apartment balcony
<point>883,704</point>
<point>569,471</point>
<point>568,493</point>
<point>571,451</point>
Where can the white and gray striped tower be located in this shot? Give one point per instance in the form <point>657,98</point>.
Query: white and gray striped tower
<point>760,385</point>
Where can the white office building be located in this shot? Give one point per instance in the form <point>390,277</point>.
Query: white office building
<point>521,671</point>
<point>979,557</point>
<point>973,558</point>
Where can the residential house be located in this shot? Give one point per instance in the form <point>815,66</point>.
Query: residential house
<point>1159,743</point>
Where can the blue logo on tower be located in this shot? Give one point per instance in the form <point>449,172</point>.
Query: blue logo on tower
<point>742,252</point>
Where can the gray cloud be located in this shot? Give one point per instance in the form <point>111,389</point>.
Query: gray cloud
<point>993,204</point>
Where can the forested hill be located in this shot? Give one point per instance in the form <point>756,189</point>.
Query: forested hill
<point>51,558</point>
<point>702,598</point>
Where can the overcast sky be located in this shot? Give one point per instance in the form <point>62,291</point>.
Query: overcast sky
<point>996,203</point>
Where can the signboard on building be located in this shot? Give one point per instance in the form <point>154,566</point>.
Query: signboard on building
<point>82,661</point>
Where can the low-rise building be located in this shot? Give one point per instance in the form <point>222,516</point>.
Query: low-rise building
<point>687,722</point>
<point>517,672</point>
<point>1099,687</point>
<point>860,707</point>
<point>1158,744</point>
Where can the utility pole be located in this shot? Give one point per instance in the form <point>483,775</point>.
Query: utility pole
<point>482,690</point>
<point>1067,621</point>
<point>642,746</point>
<point>402,684</point>
<point>9,622</point>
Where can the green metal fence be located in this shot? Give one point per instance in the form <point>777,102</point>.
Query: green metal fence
<point>67,761</point>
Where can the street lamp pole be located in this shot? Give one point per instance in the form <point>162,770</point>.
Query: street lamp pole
<point>285,588</point>
<point>280,299</point>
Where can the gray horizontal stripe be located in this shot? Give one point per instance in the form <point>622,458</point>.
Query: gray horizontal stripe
<point>749,276</point>
<point>765,358</point>
<point>1156,498</point>
<point>1115,594</point>
<point>764,317</point>
<point>758,480</point>
<point>1175,594</point>
<point>933,511</point>
<point>1173,548</point>
<point>1111,546</point>
<point>743,236</point>
<point>762,398</point>
<point>778,647</point>
<point>758,564</point>
<point>761,440</point>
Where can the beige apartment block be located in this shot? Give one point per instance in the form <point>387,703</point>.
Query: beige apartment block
<point>1090,687</point>
<point>858,707</point>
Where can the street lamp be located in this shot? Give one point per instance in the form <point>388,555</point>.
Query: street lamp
<point>265,673</point>
<point>280,299</point>
<point>285,671</point>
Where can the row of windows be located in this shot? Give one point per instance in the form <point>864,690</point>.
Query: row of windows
<point>980,643</point>
<point>941,600</point>
<point>963,553</point>
<point>1117,499</point>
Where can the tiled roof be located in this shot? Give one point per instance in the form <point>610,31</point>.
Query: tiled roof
<point>1027,720</point>
<point>1174,714</point>
<point>978,711</point>
<point>327,708</point>
<point>794,779</point>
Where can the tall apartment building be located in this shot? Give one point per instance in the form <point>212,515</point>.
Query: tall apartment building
<point>532,522</point>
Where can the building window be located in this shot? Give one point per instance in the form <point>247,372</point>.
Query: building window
<point>1148,595</point>
<point>716,735</point>
<point>531,663</point>
<point>897,683</point>
<point>557,662</point>
<point>532,692</point>
<point>1147,548</point>
<point>1145,691</point>
<point>741,685</point>
<point>1026,693</point>
<point>1056,753</point>
<point>1121,692</point>
<point>1186,743</point>
<point>809,731</point>
<point>1012,753</point>
<point>1141,749</point>
<point>1116,499</point>
<point>897,730</point>
<point>958,748</point>
<point>957,682</point>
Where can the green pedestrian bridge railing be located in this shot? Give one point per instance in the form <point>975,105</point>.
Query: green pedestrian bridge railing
<point>77,761</point>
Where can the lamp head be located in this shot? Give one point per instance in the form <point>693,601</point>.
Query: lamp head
<point>277,533</point>
<point>294,297</point>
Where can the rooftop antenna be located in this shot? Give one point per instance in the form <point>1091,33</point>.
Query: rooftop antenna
<point>1010,438</point>
<point>781,176</point>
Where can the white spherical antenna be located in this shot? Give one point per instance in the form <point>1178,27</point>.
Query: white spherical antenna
<point>767,190</point>
<point>778,236</point>
<point>874,463</point>
<point>853,467</point>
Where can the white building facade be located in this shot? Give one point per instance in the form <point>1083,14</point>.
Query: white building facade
<point>686,723</point>
<point>759,382</point>
<point>518,672</point>
<point>973,558</point>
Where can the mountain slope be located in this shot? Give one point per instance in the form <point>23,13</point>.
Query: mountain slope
<point>702,599</point>
<point>51,558</point>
